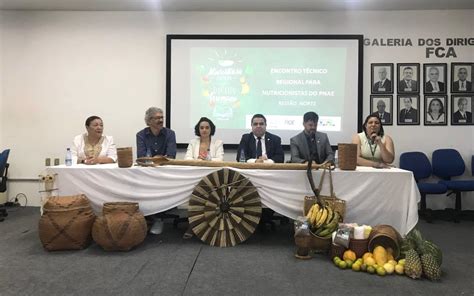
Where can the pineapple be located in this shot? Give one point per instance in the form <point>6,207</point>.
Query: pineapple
<point>431,269</point>
<point>429,259</point>
<point>413,266</point>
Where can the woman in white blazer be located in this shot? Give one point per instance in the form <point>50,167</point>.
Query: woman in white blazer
<point>93,147</point>
<point>204,147</point>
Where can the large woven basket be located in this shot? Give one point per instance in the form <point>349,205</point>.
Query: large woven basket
<point>120,227</point>
<point>387,237</point>
<point>335,203</point>
<point>66,223</point>
<point>125,157</point>
<point>347,156</point>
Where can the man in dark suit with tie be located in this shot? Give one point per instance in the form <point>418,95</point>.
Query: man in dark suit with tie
<point>260,145</point>
<point>433,85</point>
<point>407,84</point>
<point>311,144</point>
<point>462,85</point>
<point>385,117</point>
<point>408,114</point>
<point>384,85</point>
<point>462,115</point>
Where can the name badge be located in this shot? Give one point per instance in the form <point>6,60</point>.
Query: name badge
<point>381,88</point>
<point>462,121</point>
<point>408,89</point>
<point>408,120</point>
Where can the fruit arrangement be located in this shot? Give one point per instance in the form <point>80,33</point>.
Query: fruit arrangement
<point>420,257</point>
<point>323,220</point>
<point>380,262</point>
<point>423,257</point>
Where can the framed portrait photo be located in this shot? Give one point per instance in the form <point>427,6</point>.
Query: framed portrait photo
<point>408,78</point>
<point>382,105</point>
<point>461,78</point>
<point>436,110</point>
<point>408,109</point>
<point>435,78</point>
<point>381,78</point>
<point>461,108</point>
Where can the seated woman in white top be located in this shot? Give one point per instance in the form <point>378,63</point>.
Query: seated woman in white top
<point>204,147</point>
<point>374,148</point>
<point>93,147</point>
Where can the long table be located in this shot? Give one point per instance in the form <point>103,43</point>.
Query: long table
<point>373,196</point>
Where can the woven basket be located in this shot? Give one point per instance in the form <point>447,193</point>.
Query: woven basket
<point>347,156</point>
<point>66,223</point>
<point>120,228</point>
<point>125,157</point>
<point>359,246</point>
<point>320,244</point>
<point>335,203</point>
<point>387,237</point>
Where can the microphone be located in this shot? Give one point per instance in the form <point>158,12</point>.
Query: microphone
<point>372,138</point>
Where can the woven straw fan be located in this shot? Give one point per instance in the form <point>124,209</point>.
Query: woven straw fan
<point>224,208</point>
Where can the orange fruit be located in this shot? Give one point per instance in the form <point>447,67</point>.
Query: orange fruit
<point>367,254</point>
<point>349,255</point>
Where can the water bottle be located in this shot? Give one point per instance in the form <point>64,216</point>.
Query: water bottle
<point>336,160</point>
<point>148,154</point>
<point>208,156</point>
<point>68,160</point>
<point>242,156</point>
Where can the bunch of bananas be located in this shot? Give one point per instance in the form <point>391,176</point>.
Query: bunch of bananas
<point>324,221</point>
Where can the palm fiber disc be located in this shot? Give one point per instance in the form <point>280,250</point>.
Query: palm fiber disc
<point>224,208</point>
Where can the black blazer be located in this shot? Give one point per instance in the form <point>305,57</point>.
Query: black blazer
<point>402,85</point>
<point>272,146</point>
<point>413,115</point>
<point>457,84</point>
<point>386,117</point>
<point>457,116</point>
<point>429,87</point>
<point>387,85</point>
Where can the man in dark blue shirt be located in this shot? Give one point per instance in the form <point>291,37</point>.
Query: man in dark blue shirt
<point>156,139</point>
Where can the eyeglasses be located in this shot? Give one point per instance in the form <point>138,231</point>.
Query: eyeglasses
<point>258,123</point>
<point>157,117</point>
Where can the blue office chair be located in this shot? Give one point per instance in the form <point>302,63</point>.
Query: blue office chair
<point>3,183</point>
<point>448,163</point>
<point>419,164</point>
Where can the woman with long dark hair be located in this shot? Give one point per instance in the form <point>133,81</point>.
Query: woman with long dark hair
<point>205,147</point>
<point>374,147</point>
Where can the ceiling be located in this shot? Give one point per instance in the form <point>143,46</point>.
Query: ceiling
<point>234,5</point>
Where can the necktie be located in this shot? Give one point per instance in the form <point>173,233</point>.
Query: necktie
<point>436,87</point>
<point>259,147</point>
<point>462,86</point>
<point>409,84</point>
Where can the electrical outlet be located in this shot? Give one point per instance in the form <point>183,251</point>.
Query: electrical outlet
<point>47,162</point>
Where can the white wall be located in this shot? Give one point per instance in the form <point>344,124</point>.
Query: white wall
<point>60,67</point>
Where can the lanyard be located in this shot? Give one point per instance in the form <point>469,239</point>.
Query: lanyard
<point>372,151</point>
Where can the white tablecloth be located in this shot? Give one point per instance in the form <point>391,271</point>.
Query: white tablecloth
<point>373,196</point>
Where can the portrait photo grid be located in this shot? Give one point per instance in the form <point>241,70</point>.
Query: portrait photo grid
<point>447,94</point>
